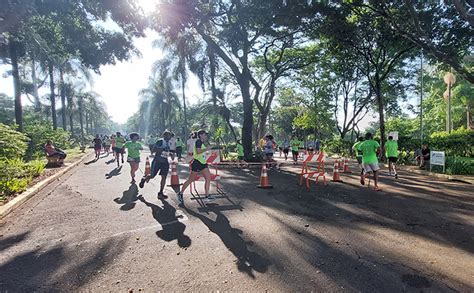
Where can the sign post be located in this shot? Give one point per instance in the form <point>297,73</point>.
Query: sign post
<point>438,159</point>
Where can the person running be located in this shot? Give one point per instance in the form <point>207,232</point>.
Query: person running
<point>106,144</point>
<point>172,146</point>
<point>286,148</point>
<point>119,142</point>
<point>190,146</point>
<point>358,153</point>
<point>199,165</point>
<point>179,148</point>
<point>151,142</point>
<point>160,163</point>
<point>268,149</point>
<point>112,144</point>
<point>240,155</point>
<point>295,144</point>
<point>369,149</point>
<point>97,146</point>
<point>391,151</point>
<point>133,154</point>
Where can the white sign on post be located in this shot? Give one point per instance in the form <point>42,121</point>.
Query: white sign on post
<point>438,159</point>
<point>393,134</point>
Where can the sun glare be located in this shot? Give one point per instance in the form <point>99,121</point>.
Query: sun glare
<point>147,5</point>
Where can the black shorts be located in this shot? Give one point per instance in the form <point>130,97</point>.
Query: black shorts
<point>295,153</point>
<point>359,160</point>
<point>118,150</point>
<point>286,151</point>
<point>197,166</point>
<point>159,167</point>
<point>392,159</point>
<point>97,147</point>
<point>269,156</point>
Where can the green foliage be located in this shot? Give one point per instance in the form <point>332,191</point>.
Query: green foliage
<point>460,166</point>
<point>459,142</point>
<point>337,146</point>
<point>42,132</point>
<point>15,175</point>
<point>13,144</point>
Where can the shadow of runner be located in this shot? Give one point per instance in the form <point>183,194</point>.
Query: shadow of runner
<point>111,161</point>
<point>12,240</point>
<point>128,198</point>
<point>171,228</point>
<point>248,261</point>
<point>114,172</point>
<point>90,162</point>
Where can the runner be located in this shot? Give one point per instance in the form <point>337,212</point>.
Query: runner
<point>268,148</point>
<point>133,154</point>
<point>119,142</point>
<point>179,147</point>
<point>112,144</point>
<point>295,144</point>
<point>370,148</point>
<point>151,142</point>
<point>286,148</point>
<point>190,146</point>
<point>172,146</point>
<point>106,144</point>
<point>391,151</point>
<point>198,165</point>
<point>358,153</point>
<point>97,146</point>
<point>240,155</point>
<point>160,163</point>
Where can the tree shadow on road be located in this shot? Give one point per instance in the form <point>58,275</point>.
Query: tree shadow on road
<point>247,261</point>
<point>114,172</point>
<point>172,228</point>
<point>58,268</point>
<point>12,240</point>
<point>128,198</point>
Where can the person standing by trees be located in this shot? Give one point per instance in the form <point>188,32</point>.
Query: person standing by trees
<point>97,146</point>
<point>370,148</point>
<point>179,147</point>
<point>286,148</point>
<point>133,154</point>
<point>160,163</point>
<point>106,144</point>
<point>199,165</point>
<point>172,146</point>
<point>119,142</point>
<point>240,155</point>
<point>391,152</point>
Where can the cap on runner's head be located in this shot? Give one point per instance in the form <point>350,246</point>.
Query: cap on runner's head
<point>368,135</point>
<point>118,133</point>
<point>202,131</point>
<point>134,134</point>
<point>167,132</point>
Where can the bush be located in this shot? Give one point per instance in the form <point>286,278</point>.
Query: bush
<point>15,174</point>
<point>13,144</point>
<point>40,133</point>
<point>460,166</point>
<point>459,142</point>
<point>337,146</point>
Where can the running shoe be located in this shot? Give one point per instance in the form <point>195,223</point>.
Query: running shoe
<point>362,180</point>
<point>133,181</point>
<point>180,197</point>
<point>122,160</point>
<point>161,195</point>
<point>396,176</point>
<point>142,182</point>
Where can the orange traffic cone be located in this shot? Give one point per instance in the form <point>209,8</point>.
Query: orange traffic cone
<point>346,166</point>
<point>147,167</point>
<point>174,180</point>
<point>335,172</point>
<point>264,183</point>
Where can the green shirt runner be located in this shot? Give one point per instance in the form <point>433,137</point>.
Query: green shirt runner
<point>240,150</point>
<point>391,149</point>
<point>356,148</point>
<point>295,144</point>
<point>369,151</point>
<point>133,149</point>
<point>119,142</point>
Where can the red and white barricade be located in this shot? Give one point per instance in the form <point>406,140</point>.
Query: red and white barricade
<point>316,159</point>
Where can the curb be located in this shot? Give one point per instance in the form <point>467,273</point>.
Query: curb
<point>27,194</point>
<point>460,178</point>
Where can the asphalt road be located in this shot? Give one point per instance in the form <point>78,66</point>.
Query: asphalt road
<point>92,230</point>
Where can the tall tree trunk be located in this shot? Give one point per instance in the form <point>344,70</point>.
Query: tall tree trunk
<point>37,105</point>
<point>183,84</point>
<point>247,126</point>
<point>16,84</point>
<point>52,97</point>
<point>69,109</point>
<point>63,98</point>
<point>81,117</point>
<point>380,103</point>
<point>212,68</point>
